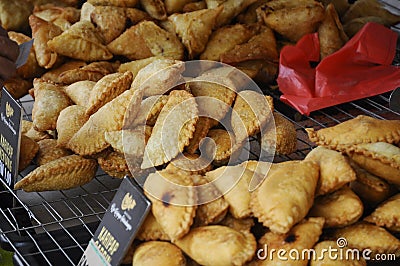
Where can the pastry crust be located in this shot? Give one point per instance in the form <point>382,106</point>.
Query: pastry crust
<point>387,214</point>
<point>70,120</point>
<point>362,129</point>
<point>114,164</point>
<point>158,253</point>
<point>151,230</point>
<point>63,173</point>
<point>28,151</point>
<point>48,151</point>
<point>91,72</point>
<point>79,92</point>
<point>325,245</point>
<point>223,141</point>
<point>150,108</point>
<point>295,179</point>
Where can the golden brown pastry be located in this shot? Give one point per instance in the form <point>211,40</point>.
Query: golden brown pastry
<point>366,8</point>
<point>387,214</point>
<point>155,8</point>
<point>151,230</point>
<point>53,75</point>
<point>175,6</point>
<point>176,122</point>
<point>158,253</point>
<point>190,163</point>
<point>122,3</point>
<point>223,141</point>
<point>28,151</point>
<point>81,42</point>
<point>241,225</point>
<point>70,120</point>
<point>109,20</point>
<point>203,126</point>
<point>14,14</point>
<point>335,171</point>
<point>379,158</point>
<point>302,236</point>
<point>361,129</point>
<point>79,92</point>
<point>91,72</point>
<point>50,100</point>
<point>17,87</point>
<point>225,246</point>
<point>106,89</point>
<point>63,173</point>
<point>49,151</point>
<point>114,164</point>
<point>297,180</point>
<point>340,208</point>
<point>28,130</point>
<point>230,9</point>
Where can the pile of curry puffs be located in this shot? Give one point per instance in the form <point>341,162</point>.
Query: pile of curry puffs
<point>93,108</point>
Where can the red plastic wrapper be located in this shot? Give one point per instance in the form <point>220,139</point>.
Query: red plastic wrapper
<point>360,69</point>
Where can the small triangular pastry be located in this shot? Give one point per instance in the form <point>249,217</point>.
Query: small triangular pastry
<point>230,9</point>
<point>155,8</point>
<point>70,120</point>
<point>387,214</point>
<point>110,21</point>
<point>29,149</point>
<point>114,164</point>
<point>91,72</point>
<point>49,151</point>
<point>325,245</point>
<point>158,253</point>
<point>122,3</point>
<point>79,91</point>
<point>82,42</point>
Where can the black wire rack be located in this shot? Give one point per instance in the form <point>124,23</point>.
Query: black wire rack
<point>54,228</point>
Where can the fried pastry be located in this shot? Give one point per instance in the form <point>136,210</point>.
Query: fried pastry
<point>14,14</point>
<point>330,33</point>
<point>159,76</point>
<point>250,113</point>
<point>129,141</point>
<point>122,3</point>
<point>17,87</point>
<point>158,253</point>
<point>136,65</point>
<point>194,28</point>
<point>366,8</point>
<point>175,6</point>
<point>203,126</point>
<point>225,246</point>
<point>50,100</point>
<point>28,151</point>
<point>155,8</point>
<point>241,225</point>
<point>79,92</point>
<point>150,40</point>
<point>295,179</point>
<point>49,151</point>
<point>106,89</point>
<point>223,141</point>
<point>279,137</point>
<point>369,236</point>
<point>91,72</point>
<point>233,182</point>
<point>151,230</point>
<point>190,163</point>
<point>70,120</point>
<point>150,108</point>
<point>90,138</point>
<point>176,122</point>
<point>306,18</point>
<point>335,170</point>
<point>224,39</point>
<point>371,189</point>
<point>194,6</point>
<point>109,20</point>
<point>302,236</point>
<point>173,202</point>
<point>361,129</point>
<point>81,42</point>
<point>340,208</point>
<point>387,214</point>
<point>114,164</point>
<point>63,173</point>
<point>379,158</point>
<point>321,260</point>
<point>260,46</point>
<point>28,130</point>
<point>42,33</point>
<point>230,9</point>
<point>53,75</point>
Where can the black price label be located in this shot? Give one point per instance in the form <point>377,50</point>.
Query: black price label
<point>119,226</point>
<point>10,125</point>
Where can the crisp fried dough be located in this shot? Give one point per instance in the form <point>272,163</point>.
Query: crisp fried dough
<point>175,220</point>
<point>365,8</point>
<point>29,149</point>
<point>109,20</point>
<point>91,72</point>
<point>53,75</point>
<point>63,173</point>
<point>361,129</point>
<point>106,89</point>
<point>129,141</point>
<point>302,236</point>
<point>49,151</point>
<point>194,28</point>
<point>17,87</point>
<point>203,125</point>
<point>70,120</point>
<point>150,108</point>
<point>50,100</point>
<point>151,230</point>
<point>379,158</point>
<point>82,42</point>
<point>42,32</point>
<point>155,8</point>
<point>189,163</point>
<point>28,130</point>
<point>223,141</point>
<point>325,245</point>
<point>79,92</point>
<point>335,171</point>
<point>225,246</point>
<point>387,214</point>
<point>121,3</point>
<point>297,180</point>
<point>158,253</point>
<point>173,129</point>
<point>136,65</point>
<point>114,164</point>
<point>230,9</point>
<point>175,6</point>
<point>340,208</point>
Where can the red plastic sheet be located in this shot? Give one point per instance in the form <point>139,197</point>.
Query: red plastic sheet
<point>360,69</point>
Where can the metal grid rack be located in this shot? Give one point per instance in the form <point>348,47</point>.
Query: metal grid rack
<point>54,228</point>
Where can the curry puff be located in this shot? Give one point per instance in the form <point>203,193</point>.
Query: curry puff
<point>335,171</point>
<point>340,208</point>
<point>91,72</point>
<point>361,129</point>
<point>79,92</point>
<point>379,158</point>
<point>70,120</point>
<point>28,151</point>
<point>50,100</point>
<point>114,164</point>
<point>297,180</point>
<point>158,253</point>
<point>173,201</point>
<point>82,42</point>
<point>387,214</point>
<point>63,173</point>
<point>218,245</point>
<point>151,230</point>
<point>173,129</point>
<point>49,151</point>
